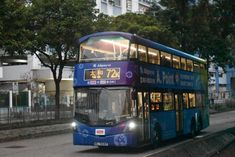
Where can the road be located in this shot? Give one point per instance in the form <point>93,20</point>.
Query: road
<point>227,152</point>
<point>61,145</point>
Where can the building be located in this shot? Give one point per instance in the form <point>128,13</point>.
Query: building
<point>118,7</point>
<point>221,84</point>
<point>25,76</point>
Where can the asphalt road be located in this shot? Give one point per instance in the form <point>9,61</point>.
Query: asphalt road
<point>227,152</point>
<point>61,145</point>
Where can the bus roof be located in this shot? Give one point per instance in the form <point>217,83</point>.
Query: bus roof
<point>146,42</point>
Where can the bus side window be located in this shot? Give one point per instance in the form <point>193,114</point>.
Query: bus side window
<point>154,56</point>
<point>156,101</point>
<point>202,66</point>
<point>168,102</point>
<point>133,51</point>
<point>183,63</point>
<point>166,59</point>
<point>192,100</point>
<point>189,65</point>
<point>196,67</point>
<point>176,62</point>
<point>142,53</point>
<point>185,100</point>
<point>199,100</point>
<point>140,104</point>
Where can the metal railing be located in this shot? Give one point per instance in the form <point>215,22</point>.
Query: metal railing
<point>26,115</point>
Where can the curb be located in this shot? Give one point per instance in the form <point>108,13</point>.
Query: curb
<point>202,147</point>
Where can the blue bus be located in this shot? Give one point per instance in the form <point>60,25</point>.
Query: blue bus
<point>130,91</point>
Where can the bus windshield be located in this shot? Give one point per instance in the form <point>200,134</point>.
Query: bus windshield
<point>102,106</point>
<point>104,48</point>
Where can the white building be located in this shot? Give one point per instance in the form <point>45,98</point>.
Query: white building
<point>221,84</point>
<point>28,75</point>
<point>118,7</point>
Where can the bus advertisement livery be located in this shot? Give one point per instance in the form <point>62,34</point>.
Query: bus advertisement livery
<point>130,91</point>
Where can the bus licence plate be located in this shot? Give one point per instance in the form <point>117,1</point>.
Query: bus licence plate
<point>101,144</point>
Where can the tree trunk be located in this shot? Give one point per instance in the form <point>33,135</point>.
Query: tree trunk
<point>57,99</point>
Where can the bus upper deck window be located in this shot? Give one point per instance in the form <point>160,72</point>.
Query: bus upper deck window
<point>176,62</point>
<point>142,53</point>
<point>202,66</point>
<point>189,65</point>
<point>154,56</point>
<point>183,63</point>
<point>102,48</point>
<point>196,67</point>
<point>133,51</point>
<point>166,59</point>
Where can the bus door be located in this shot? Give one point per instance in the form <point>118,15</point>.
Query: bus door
<point>143,114</point>
<point>179,113</point>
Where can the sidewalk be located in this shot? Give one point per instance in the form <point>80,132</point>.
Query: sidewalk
<point>30,132</point>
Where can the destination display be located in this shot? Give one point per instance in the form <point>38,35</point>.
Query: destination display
<point>102,74</point>
<point>105,73</point>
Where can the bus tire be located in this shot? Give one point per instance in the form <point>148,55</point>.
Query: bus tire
<point>157,139</point>
<point>193,128</point>
<point>199,125</point>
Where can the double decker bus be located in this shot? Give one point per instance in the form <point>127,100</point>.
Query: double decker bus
<point>130,91</point>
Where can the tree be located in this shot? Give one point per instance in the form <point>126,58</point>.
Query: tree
<point>12,27</point>
<point>224,27</point>
<point>193,24</point>
<point>54,27</point>
<point>144,26</point>
<point>103,23</point>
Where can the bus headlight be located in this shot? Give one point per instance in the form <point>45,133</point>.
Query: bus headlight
<point>74,125</point>
<point>132,125</point>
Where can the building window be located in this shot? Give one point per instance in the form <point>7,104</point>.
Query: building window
<point>220,74</point>
<point>117,2</point>
<point>154,56</point>
<point>129,5</point>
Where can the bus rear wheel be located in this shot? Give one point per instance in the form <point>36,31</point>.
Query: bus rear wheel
<point>193,129</point>
<point>157,136</point>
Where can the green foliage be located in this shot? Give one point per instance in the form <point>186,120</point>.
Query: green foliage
<point>12,26</point>
<point>103,23</point>
<point>58,23</point>
<point>200,26</point>
<point>144,26</point>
